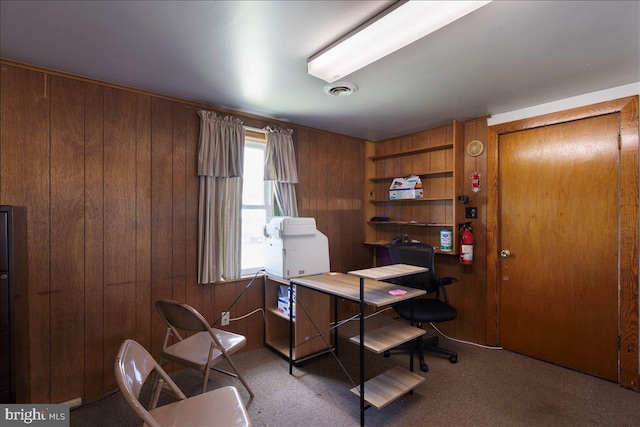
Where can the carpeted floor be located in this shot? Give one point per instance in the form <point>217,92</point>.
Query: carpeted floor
<point>485,388</point>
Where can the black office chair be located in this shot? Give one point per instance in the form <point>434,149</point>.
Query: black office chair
<point>423,310</point>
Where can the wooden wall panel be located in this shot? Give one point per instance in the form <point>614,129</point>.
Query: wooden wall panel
<point>255,322</point>
<point>110,173</point>
<point>337,174</point>
<point>194,294</point>
<point>331,186</point>
<point>144,307</point>
<point>469,295</point>
<point>94,362</point>
<point>120,222</point>
<point>308,174</point>
<point>178,199</point>
<point>67,235</point>
<point>323,190</point>
<point>353,206</point>
<point>161,213</point>
<point>25,181</point>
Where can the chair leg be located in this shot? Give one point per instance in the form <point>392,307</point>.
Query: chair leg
<point>416,344</point>
<point>206,379</point>
<point>421,345</point>
<point>431,344</point>
<point>419,348</point>
<point>240,377</point>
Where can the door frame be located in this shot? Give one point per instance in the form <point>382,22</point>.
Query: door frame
<point>628,304</point>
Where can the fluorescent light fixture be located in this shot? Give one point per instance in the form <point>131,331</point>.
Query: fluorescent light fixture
<point>395,28</point>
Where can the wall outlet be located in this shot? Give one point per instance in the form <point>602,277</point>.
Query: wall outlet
<point>73,403</point>
<point>224,319</point>
<point>471,212</point>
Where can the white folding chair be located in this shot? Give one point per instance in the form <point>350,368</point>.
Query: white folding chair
<point>220,407</point>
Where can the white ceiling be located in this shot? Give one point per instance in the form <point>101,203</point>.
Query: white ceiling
<point>250,56</point>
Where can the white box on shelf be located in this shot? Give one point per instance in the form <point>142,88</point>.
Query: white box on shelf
<point>406,188</point>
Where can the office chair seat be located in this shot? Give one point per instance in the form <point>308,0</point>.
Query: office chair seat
<point>426,310</point>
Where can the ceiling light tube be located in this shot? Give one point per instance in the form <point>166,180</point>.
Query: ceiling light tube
<point>393,29</point>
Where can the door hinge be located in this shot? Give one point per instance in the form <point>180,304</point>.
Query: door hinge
<point>619,142</point>
<point>618,342</point>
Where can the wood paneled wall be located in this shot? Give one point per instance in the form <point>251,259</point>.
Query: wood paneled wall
<point>469,295</point>
<point>108,177</point>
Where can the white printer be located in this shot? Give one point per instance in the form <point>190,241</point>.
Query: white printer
<point>294,247</point>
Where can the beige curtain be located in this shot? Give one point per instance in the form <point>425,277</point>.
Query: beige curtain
<point>220,164</point>
<point>280,167</point>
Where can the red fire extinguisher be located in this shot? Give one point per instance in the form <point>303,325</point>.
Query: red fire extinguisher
<point>466,244</point>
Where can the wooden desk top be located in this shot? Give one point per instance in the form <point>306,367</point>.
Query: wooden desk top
<point>389,271</point>
<point>376,293</point>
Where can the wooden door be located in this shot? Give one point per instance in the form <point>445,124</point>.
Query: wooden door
<point>558,218</point>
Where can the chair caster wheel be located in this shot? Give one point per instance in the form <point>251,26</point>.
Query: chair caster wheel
<point>453,359</point>
<point>424,367</point>
<point>387,353</point>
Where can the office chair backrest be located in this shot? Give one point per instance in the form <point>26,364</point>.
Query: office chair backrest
<point>181,316</point>
<point>420,254</point>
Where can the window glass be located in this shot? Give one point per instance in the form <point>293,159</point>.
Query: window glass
<point>256,206</point>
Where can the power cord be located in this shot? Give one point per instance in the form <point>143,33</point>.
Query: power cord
<point>342,322</point>
<point>464,342</point>
<point>248,314</point>
<point>219,319</point>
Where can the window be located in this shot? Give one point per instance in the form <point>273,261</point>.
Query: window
<point>257,205</point>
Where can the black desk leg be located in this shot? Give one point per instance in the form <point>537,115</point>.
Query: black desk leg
<point>362,407</point>
<point>411,342</point>
<point>290,328</point>
<point>335,323</point>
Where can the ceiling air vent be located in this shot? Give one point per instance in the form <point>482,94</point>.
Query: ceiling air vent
<point>340,89</point>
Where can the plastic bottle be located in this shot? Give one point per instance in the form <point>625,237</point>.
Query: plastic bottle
<point>445,240</point>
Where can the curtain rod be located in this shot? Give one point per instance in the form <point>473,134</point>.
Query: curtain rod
<point>251,128</point>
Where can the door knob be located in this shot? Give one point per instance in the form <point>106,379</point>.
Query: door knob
<point>505,253</point>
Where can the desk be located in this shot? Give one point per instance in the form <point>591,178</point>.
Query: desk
<point>358,286</point>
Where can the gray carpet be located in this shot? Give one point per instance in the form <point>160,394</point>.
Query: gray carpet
<point>485,388</point>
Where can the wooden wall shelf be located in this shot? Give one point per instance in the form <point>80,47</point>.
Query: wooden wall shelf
<point>412,152</point>
<point>422,199</point>
<point>438,155</point>
<point>421,175</point>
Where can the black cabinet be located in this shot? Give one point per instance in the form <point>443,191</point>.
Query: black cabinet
<point>12,296</point>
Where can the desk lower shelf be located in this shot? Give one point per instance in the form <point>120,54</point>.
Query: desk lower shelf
<point>388,386</point>
<point>388,336</point>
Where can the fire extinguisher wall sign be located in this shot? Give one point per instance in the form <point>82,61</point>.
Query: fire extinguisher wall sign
<point>466,244</point>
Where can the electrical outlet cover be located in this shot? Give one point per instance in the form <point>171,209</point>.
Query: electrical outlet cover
<point>224,320</point>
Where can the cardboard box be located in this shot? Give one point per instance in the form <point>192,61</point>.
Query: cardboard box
<point>406,188</point>
<point>283,300</point>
